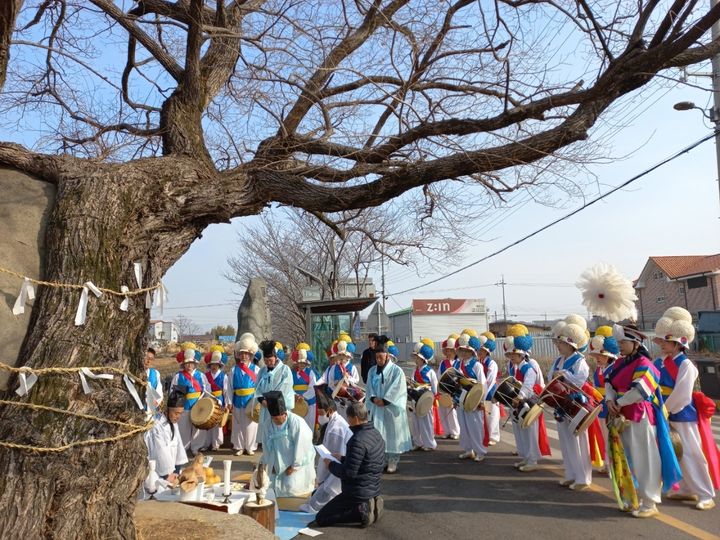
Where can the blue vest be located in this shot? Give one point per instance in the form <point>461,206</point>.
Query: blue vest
<point>243,386</point>
<point>469,369</point>
<point>153,377</point>
<point>220,382</point>
<point>491,390</point>
<point>455,364</point>
<point>300,385</point>
<point>191,396</point>
<point>519,374</point>
<point>667,384</point>
<point>599,378</point>
<point>569,364</point>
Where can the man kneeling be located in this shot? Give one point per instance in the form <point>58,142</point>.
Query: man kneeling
<point>359,473</point>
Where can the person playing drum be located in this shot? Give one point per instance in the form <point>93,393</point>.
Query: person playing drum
<point>631,394</point>
<point>473,428</point>
<point>448,415</point>
<point>571,336</point>
<point>604,349</point>
<point>190,381</point>
<point>220,389</point>
<point>517,350</point>
<point>490,368</point>
<point>343,372</point>
<point>304,380</point>
<point>422,428</point>
<point>674,332</point>
<point>243,379</point>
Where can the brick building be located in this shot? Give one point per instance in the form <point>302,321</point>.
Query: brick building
<point>692,282</point>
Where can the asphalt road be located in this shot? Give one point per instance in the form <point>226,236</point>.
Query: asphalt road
<point>435,495</point>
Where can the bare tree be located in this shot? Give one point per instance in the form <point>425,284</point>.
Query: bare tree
<point>186,326</point>
<point>222,107</point>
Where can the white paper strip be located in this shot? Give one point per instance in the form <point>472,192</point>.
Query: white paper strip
<point>26,383</point>
<point>126,301</point>
<point>161,294</point>
<point>85,372</point>
<point>133,391</point>
<point>148,300</point>
<point>137,266</point>
<point>154,398</point>
<point>81,313</point>
<point>27,292</point>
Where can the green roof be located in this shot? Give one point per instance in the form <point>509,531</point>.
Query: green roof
<point>401,312</point>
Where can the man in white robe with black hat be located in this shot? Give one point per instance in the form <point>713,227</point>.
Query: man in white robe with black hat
<point>288,450</point>
<point>163,441</point>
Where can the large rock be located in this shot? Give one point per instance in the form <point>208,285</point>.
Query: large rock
<point>24,209</point>
<point>254,311</point>
<point>172,521</point>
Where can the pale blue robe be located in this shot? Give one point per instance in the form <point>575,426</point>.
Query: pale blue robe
<point>286,445</point>
<point>391,420</point>
<point>279,379</point>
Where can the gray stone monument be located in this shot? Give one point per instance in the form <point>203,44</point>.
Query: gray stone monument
<point>254,311</point>
<point>24,208</point>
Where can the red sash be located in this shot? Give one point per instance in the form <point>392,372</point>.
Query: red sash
<point>671,367</point>
<point>213,385</point>
<point>437,425</point>
<point>193,381</point>
<point>249,372</point>
<point>304,376</point>
<point>543,442</point>
<point>705,410</point>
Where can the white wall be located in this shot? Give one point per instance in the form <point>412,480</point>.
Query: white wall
<point>438,327</point>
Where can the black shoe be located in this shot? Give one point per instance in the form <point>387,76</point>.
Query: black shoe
<point>312,524</point>
<point>368,517</point>
<point>379,507</point>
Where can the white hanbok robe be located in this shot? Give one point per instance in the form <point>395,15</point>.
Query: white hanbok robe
<point>422,428</point>
<point>492,409</point>
<point>526,439</point>
<point>390,420</point>
<point>575,448</point>
<point>448,415</point>
<point>165,446</point>
<point>337,434</point>
<point>309,396</point>
<point>285,446</point>
<point>193,438</point>
<point>244,430</point>
<point>472,424</point>
<point>279,379</point>
<point>214,437</point>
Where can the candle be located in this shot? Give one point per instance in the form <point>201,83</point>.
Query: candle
<point>227,463</point>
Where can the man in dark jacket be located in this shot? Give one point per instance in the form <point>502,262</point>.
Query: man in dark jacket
<point>359,472</point>
<point>368,357</point>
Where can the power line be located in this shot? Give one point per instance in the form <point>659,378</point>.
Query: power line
<point>567,216</point>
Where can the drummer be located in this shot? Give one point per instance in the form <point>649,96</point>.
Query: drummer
<point>570,336</point>
<point>304,380</point>
<point>190,381</point>
<point>490,368</point>
<point>243,379</point>
<point>220,388</point>
<point>674,333</point>
<point>422,428</point>
<point>448,415</point>
<point>343,371</point>
<point>473,428</point>
<point>517,350</point>
<point>604,349</point>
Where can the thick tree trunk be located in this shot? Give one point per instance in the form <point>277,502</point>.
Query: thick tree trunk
<point>105,218</point>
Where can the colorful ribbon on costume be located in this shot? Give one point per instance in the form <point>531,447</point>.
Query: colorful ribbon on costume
<point>622,480</point>
<point>437,425</point>
<point>670,467</point>
<point>705,409</point>
<point>597,443</point>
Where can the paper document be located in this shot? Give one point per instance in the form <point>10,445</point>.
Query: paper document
<point>324,453</point>
<point>309,532</point>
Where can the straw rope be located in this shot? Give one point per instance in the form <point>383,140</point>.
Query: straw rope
<point>62,370</point>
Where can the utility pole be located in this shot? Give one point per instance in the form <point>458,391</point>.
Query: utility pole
<point>382,272</point>
<point>502,283</point>
<point>715,113</point>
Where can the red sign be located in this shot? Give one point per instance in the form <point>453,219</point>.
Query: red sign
<point>447,306</point>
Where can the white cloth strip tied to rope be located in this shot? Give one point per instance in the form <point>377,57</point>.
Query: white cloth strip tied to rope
<point>27,292</point>
<point>161,294</point>
<point>85,372</point>
<point>27,381</point>
<point>81,313</point>
<point>138,269</point>
<point>126,301</point>
<point>133,391</point>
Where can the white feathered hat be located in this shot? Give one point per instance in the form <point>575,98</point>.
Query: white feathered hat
<point>572,330</point>
<point>246,343</point>
<point>675,325</point>
<point>607,293</point>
